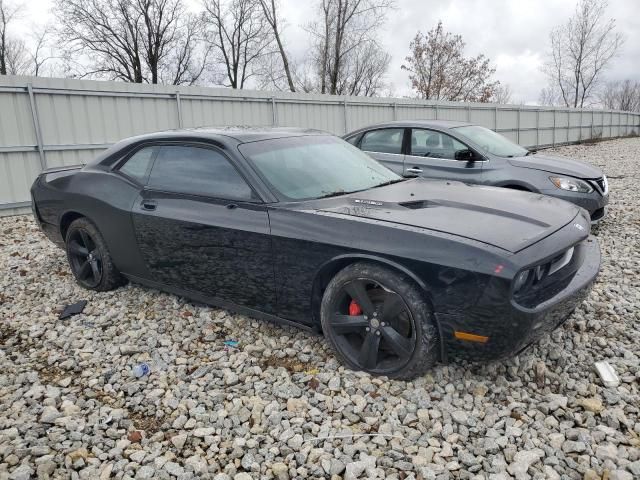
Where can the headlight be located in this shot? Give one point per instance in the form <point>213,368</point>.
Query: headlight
<point>571,184</point>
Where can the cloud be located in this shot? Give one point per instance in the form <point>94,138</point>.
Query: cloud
<point>514,34</point>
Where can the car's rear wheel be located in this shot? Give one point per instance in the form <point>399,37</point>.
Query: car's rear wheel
<point>379,321</point>
<point>89,257</point>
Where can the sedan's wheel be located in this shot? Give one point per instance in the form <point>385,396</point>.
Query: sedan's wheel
<point>378,321</point>
<point>89,258</point>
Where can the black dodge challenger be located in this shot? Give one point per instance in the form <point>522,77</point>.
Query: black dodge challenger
<point>301,227</point>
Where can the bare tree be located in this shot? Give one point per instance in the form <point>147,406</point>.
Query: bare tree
<point>502,94</point>
<point>364,73</point>
<point>187,60</point>
<point>135,41</point>
<point>581,50</point>
<point>42,52</point>
<point>12,51</point>
<point>549,96</point>
<point>622,95</point>
<point>239,36</point>
<point>439,70</point>
<point>347,29</point>
<point>17,58</point>
<point>270,10</point>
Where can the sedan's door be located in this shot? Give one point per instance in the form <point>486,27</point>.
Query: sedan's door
<point>200,227</point>
<point>432,154</point>
<point>385,145</point>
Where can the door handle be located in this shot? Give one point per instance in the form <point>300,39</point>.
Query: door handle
<point>414,170</point>
<point>232,206</point>
<point>149,205</point>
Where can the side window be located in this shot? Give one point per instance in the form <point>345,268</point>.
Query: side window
<point>197,171</point>
<point>429,143</point>
<point>137,167</point>
<point>387,140</point>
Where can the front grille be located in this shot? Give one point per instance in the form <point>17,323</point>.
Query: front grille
<point>601,184</point>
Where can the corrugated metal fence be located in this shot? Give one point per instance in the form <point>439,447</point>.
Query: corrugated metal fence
<point>48,122</point>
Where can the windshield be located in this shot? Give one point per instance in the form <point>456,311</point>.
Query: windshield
<point>491,142</point>
<point>315,166</point>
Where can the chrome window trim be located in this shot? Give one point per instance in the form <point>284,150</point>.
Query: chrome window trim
<point>447,159</point>
<point>384,153</point>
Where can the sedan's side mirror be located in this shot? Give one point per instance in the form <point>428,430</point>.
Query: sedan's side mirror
<point>464,155</point>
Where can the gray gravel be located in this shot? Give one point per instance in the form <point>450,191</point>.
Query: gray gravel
<point>280,406</point>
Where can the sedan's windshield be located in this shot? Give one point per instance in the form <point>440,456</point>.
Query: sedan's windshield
<point>315,166</point>
<point>491,142</point>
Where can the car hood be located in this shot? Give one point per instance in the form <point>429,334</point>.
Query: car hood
<point>507,219</point>
<point>558,165</point>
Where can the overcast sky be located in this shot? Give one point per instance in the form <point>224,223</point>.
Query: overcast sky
<point>514,34</point>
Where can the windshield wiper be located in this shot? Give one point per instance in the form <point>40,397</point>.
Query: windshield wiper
<point>530,152</point>
<point>337,193</point>
<point>390,182</point>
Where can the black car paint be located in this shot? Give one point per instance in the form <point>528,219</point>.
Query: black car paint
<point>529,173</point>
<point>272,259</point>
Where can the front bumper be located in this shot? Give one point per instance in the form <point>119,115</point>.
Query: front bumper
<point>595,202</point>
<point>510,327</point>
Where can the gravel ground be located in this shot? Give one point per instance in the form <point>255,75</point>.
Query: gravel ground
<point>280,406</point>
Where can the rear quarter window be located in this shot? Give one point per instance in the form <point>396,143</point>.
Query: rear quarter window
<point>138,165</point>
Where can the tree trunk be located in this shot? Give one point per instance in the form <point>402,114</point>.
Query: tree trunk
<point>285,62</point>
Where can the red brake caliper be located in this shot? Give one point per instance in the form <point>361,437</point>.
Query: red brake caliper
<point>354,309</point>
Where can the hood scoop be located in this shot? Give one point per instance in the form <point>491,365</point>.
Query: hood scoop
<point>419,204</point>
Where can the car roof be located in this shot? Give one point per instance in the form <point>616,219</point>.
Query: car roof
<point>228,136</point>
<point>241,134</point>
<point>438,124</point>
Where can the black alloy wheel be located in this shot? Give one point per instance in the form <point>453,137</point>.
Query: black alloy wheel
<point>373,327</point>
<point>89,257</point>
<point>84,257</point>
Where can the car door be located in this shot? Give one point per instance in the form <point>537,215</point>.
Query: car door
<point>200,227</point>
<point>385,145</point>
<point>432,154</point>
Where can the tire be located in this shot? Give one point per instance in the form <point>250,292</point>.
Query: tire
<point>89,257</point>
<point>407,343</point>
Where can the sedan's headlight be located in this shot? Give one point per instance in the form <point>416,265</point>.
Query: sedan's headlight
<point>571,184</point>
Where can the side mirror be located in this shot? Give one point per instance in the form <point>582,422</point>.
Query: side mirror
<point>465,155</point>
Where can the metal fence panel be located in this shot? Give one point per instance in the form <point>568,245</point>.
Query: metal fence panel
<point>17,172</point>
<point>412,113</point>
<point>483,116</point>
<point>330,116</point>
<point>48,122</point>
<point>16,124</point>
<point>362,115</point>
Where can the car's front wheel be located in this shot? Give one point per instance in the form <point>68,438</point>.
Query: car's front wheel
<point>89,257</point>
<point>379,321</point>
